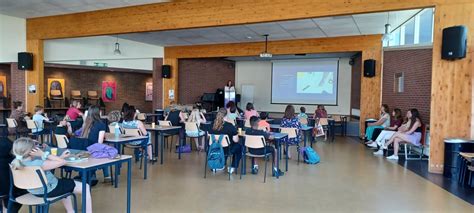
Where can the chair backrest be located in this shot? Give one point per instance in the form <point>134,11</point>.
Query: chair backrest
<point>141,116</point>
<point>254,141</point>
<point>225,141</point>
<point>323,121</point>
<point>112,129</point>
<point>75,93</point>
<point>11,123</point>
<point>292,132</point>
<point>134,132</point>
<point>31,124</point>
<point>61,141</point>
<point>191,126</point>
<point>92,93</point>
<point>247,123</point>
<point>164,123</point>
<point>56,92</point>
<point>337,118</point>
<point>303,121</point>
<point>27,177</point>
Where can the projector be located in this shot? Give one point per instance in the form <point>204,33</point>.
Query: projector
<point>265,55</point>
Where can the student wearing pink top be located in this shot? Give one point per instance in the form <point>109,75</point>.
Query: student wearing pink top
<point>250,111</point>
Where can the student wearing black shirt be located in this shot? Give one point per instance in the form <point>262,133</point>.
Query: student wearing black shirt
<point>254,120</point>
<point>222,126</point>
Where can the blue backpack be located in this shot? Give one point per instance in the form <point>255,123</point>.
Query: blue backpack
<point>215,155</point>
<point>310,156</point>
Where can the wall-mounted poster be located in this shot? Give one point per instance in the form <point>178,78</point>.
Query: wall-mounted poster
<point>109,91</point>
<point>56,88</point>
<point>149,91</point>
<point>3,86</point>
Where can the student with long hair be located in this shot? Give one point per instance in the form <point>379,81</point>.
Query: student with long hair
<point>388,132</point>
<point>290,120</point>
<point>381,123</point>
<point>28,154</point>
<point>222,125</point>
<point>198,117</point>
<point>320,112</point>
<point>410,132</point>
<point>250,111</point>
<point>130,122</point>
<point>19,115</point>
<point>94,131</point>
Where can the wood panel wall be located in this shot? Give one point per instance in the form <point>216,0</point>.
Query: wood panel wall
<point>370,46</point>
<point>35,76</point>
<point>451,89</point>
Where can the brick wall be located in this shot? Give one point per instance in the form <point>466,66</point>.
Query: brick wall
<point>130,86</point>
<point>355,84</point>
<point>157,83</point>
<point>416,66</point>
<point>198,76</point>
<point>18,88</point>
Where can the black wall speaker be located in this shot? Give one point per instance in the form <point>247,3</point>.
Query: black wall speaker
<point>25,61</point>
<point>454,43</point>
<point>166,71</point>
<point>369,68</point>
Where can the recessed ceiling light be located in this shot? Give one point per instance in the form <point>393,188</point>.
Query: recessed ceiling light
<point>248,37</point>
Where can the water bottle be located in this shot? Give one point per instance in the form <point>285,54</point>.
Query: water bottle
<point>117,130</point>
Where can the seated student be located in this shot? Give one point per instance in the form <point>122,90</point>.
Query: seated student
<point>232,113</point>
<point>261,151</point>
<point>222,126</point>
<point>19,115</point>
<point>26,154</point>
<point>114,117</point>
<point>198,117</point>
<point>94,132</point>
<point>320,112</point>
<point>387,132</point>
<point>73,113</point>
<point>5,158</point>
<point>39,119</point>
<point>63,128</point>
<point>303,117</point>
<point>176,117</point>
<point>384,121</point>
<point>250,111</point>
<point>291,121</point>
<point>410,132</point>
<point>130,122</point>
<point>263,124</point>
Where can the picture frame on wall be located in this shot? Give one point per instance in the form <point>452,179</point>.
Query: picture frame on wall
<point>149,91</point>
<point>56,87</point>
<point>3,86</point>
<point>109,91</point>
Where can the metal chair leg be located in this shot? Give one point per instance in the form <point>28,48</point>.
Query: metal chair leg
<point>265,174</point>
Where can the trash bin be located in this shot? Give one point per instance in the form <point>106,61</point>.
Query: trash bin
<point>160,114</point>
<point>452,148</point>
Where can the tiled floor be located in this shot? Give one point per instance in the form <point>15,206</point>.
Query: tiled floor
<point>348,179</point>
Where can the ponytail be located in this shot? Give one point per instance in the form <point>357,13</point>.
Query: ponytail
<point>21,149</point>
<point>17,164</point>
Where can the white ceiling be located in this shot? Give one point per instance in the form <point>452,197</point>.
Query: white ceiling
<point>361,24</point>
<point>38,8</point>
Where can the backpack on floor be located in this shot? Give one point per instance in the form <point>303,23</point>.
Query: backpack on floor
<point>215,156</point>
<point>310,156</point>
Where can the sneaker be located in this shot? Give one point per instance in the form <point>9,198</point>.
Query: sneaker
<point>277,172</point>
<point>392,157</point>
<point>372,145</point>
<point>255,169</point>
<point>379,152</point>
<point>230,170</point>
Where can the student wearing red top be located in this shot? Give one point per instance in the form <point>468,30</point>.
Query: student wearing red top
<point>72,115</point>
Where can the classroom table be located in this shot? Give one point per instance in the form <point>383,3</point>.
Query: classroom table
<point>159,131</point>
<point>124,139</point>
<point>307,130</point>
<point>92,164</point>
<point>278,137</point>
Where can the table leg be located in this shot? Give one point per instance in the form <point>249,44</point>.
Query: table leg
<point>116,175</point>
<point>180,144</point>
<point>156,144</point>
<point>278,158</point>
<point>162,143</point>
<point>129,183</point>
<point>305,133</point>
<point>145,148</point>
<point>84,182</point>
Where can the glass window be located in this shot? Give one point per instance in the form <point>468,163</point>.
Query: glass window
<point>399,84</point>
<point>410,32</point>
<point>395,38</point>
<point>426,26</point>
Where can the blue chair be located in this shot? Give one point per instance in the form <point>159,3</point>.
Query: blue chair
<point>32,178</point>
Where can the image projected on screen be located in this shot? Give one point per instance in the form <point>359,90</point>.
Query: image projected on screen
<point>315,82</point>
<point>309,81</point>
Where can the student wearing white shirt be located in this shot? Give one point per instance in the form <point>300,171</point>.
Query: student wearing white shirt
<point>39,119</point>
